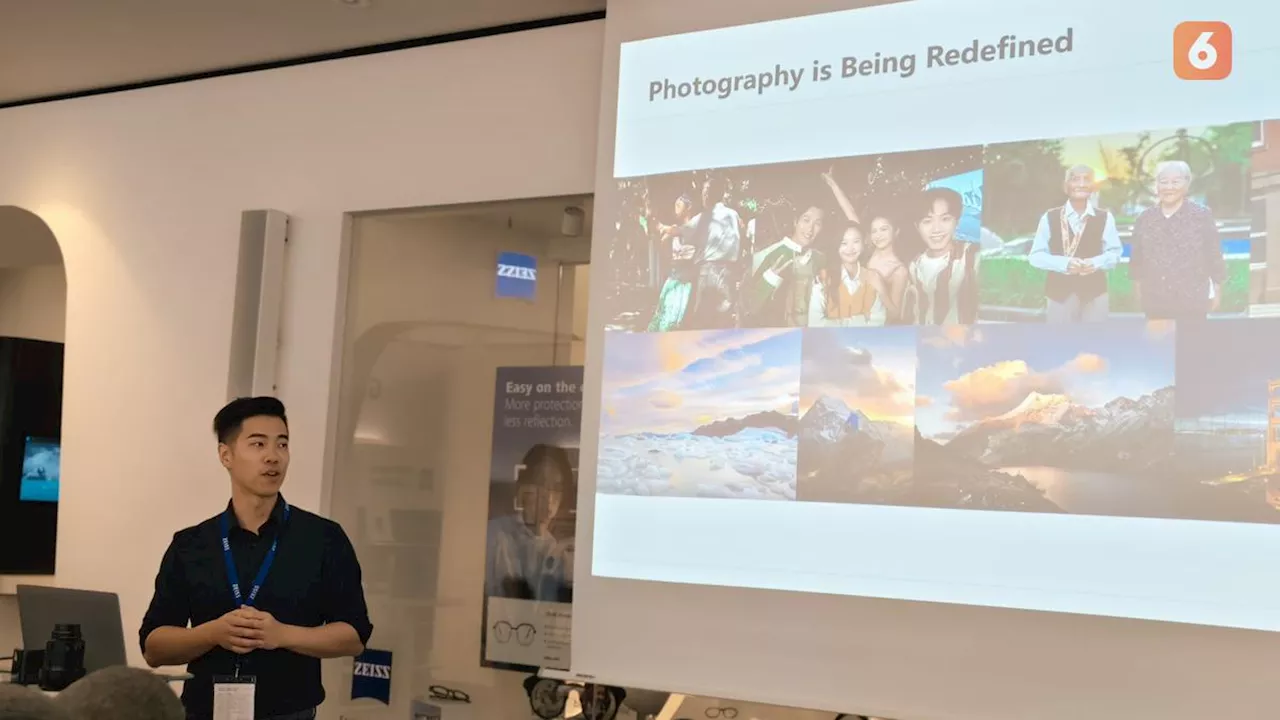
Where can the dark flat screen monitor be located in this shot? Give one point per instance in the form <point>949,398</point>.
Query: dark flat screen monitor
<point>30,454</point>
<point>41,473</point>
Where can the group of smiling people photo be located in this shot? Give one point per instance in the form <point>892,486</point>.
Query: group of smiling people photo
<point>866,242</point>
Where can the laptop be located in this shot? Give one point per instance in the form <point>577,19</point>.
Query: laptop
<point>97,613</point>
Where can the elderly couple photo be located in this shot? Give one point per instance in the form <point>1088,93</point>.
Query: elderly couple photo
<point>1153,224</point>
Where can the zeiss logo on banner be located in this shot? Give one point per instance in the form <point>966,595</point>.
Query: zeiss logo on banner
<point>517,276</point>
<point>370,670</point>
<point>371,677</point>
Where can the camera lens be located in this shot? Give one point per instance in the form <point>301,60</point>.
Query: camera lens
<point>66,632</point>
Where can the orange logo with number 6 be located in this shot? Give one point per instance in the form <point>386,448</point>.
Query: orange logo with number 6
<point>1202,50</point>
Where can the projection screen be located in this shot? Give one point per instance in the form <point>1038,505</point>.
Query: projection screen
<point>935,358</point>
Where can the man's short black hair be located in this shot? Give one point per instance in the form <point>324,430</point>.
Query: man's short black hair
<point>229,420</point>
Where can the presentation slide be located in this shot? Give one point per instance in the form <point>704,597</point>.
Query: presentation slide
<point>41,470</point>
<point>936,301</point>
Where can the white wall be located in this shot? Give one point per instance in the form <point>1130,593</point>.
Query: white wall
<point>10,630</point>
<point>33,302</point>
<point>144,192</point>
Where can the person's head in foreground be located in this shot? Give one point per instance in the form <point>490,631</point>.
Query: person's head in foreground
<point>253,444</point>
<point>542,483</point>
<point>1173,180</point>
<point>1080,184</point>
<point>937,217</point>
<point>21,703</point>
<point>121,693</point>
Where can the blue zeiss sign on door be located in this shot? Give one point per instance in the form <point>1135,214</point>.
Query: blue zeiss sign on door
<point>371,676</point>
<point>517,276</point>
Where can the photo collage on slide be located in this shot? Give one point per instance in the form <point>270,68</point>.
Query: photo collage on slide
<point>1077,325</point>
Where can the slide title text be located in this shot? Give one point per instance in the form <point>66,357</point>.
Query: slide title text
<point>1008,47</point>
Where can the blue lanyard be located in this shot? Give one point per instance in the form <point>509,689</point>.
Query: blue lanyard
<point>234,576</point>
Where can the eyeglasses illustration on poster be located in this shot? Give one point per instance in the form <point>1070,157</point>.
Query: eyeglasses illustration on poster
<point>524,633</point>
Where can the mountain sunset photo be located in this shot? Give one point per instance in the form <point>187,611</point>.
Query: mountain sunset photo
<point>1050,418</point>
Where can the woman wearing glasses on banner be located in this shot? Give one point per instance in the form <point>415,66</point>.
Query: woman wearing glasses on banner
<point>526,558</point>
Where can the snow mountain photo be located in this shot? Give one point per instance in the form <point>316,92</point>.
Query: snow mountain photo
<point>757,461</point>
<point>1052,430</point>
<point>700,415</point>
<point>840,448</point>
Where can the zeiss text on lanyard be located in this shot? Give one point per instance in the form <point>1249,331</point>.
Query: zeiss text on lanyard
<point>234,576</point>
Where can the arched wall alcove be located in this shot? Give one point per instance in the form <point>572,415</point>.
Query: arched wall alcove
<point>33,314</point>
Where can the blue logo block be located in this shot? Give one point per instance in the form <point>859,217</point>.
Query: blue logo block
<point>517,276</point>
<point>371,676</point>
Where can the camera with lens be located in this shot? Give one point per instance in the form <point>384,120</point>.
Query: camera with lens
<point>63,658</point>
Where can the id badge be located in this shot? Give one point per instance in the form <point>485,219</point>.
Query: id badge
<point>233,697</point>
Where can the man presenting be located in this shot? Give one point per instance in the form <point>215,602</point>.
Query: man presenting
<point>252,599</point>
<point>1076,244</point>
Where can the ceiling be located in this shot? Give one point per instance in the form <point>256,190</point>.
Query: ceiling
<point>53,47</point>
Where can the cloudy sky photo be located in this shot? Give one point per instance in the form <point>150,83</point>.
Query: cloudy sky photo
<point>676,382</point>
<point>873,370</point>
<point>969,374</point>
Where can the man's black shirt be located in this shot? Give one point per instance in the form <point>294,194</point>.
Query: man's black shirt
<point>314,580</point>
